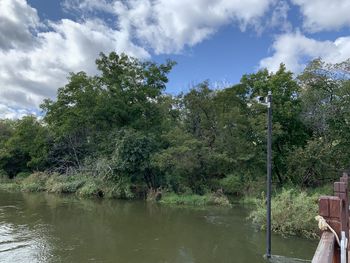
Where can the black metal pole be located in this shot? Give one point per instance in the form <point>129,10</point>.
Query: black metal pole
<point>269,170</point>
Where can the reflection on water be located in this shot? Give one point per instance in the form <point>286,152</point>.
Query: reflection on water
<point>49,228</point>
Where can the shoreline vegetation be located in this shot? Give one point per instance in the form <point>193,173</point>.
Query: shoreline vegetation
<point>119,134</point>
<point>90,187</point>
<point>293,210</point>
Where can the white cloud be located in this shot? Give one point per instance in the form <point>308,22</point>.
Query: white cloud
<point>89,5</point>
<point>30,74</point>
<point>279,17</point>
<point>10,113</point>
<point>17,20</point>
<point>324,14</point>
<point>36,56</point>
<point>295,50</point>
<point>167,26</point>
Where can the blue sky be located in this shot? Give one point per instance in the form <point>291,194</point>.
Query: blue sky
<point>41,41</point>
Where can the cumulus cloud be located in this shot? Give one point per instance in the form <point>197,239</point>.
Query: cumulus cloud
<point>28,75</point>
<point>295,50</point>
<point>36,56</point>
<point>279,17</point>
<point>17,21</point>
<point>167,26</point>
<point>324,14</point>
<point>87,5</point>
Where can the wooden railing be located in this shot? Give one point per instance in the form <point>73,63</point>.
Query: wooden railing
<point>335,210</point>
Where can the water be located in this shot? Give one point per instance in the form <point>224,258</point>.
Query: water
<point>50,228</point>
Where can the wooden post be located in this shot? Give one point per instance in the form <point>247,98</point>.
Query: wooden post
<point>345,179</point>
<point>330,208</point>
<point>341,191</point>
<point>335,210</point>
<point>325,249</point>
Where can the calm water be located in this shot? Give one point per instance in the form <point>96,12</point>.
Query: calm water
<point>49,228</point>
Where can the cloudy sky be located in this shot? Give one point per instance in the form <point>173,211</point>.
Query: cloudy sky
<point>41,41</point>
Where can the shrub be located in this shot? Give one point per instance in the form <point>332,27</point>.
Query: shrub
<point>22,175</point>
<point>61,184</point>
<point>35,182</point>
<point>119,192</point>
<point>3,176</point>
<point>231,184</point>
<point>9,186</point>
<point>90,189</point>
<point>292,213</point>
<point>218,199</point>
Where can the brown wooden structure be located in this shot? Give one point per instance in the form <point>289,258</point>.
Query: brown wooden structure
<point>335,210</point>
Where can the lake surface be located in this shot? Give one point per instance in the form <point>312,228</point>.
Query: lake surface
<point>50,228</point>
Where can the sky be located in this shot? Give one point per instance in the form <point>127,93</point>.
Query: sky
<point>41,41</point>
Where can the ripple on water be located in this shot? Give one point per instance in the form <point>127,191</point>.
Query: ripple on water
<point>19,243</point>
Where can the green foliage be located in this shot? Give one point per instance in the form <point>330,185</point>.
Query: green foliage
<point>132,157</point>
<point>22,175</point>
<point>61,184</point>
<point>182,161</point>
<point>289,130</point>
<point>119,191</point>
<point>293,213</point>
<point>312,164</point>
<point>90,189</point>
<point>9,186</point>
<point>119,135</point>
<point>232,184</point>
<point>34,183</point>
<point>24,146</point>
<point>79,184</point>
<point>325,104</point>
<point>3,176</point>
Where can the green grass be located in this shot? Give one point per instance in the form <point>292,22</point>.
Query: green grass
<point>78,184</point>
<point>61,184</point>
<point>248,200</point>
<point>33,183</point>
<point>195,200</point>
<point>10,186</point>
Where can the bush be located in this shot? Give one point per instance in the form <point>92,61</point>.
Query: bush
<point>34,183</point>
<point>62,184</point>
<point>90,189</point>
<point>22,175</point>
<point>3,176</point>
<point>231,184</point>
<point>292,213</point>
<point>9,186</point>
<point>119,192</point>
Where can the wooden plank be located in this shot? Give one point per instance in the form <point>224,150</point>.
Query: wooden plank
<point>325,249</point>
<point>323,206</point>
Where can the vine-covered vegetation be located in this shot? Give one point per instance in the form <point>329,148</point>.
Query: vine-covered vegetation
<point>119,134</point>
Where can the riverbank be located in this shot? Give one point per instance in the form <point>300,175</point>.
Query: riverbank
<point>80,185</point>
<point>293,210</point>
<point>96,187</point>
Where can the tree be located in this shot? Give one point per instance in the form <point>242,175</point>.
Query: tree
<point>25,147</point>
<point>89,111</point>
<point>289,130</point>
<point>132,157</point>
<point>325,111</point>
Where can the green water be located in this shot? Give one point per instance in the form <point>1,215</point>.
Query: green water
<point>50,228</point>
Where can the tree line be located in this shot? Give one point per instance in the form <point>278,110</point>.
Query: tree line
<point>122,126</point>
